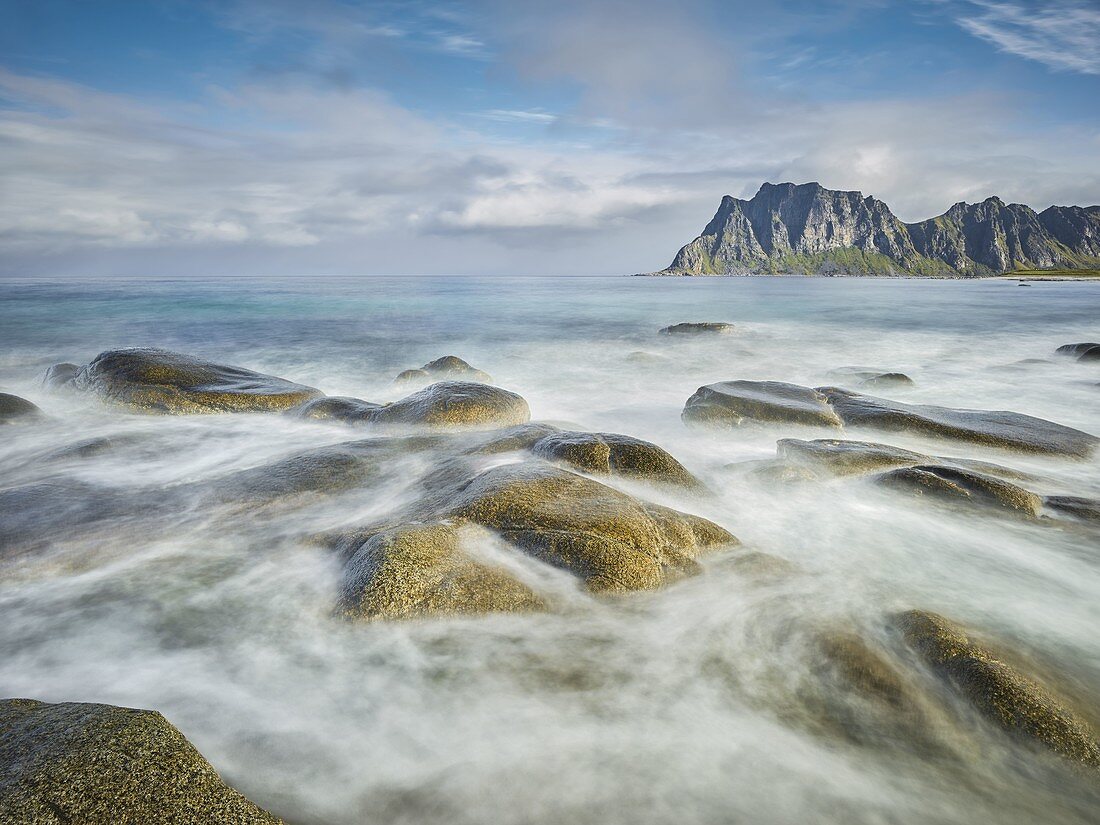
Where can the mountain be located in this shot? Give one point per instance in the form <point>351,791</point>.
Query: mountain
<point>807,229</point>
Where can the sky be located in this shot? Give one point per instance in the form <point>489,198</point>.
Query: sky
<point>169,138</point>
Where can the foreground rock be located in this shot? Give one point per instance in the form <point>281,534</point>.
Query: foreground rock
<point>1008,698</point>
<point>957,486</point>
<point>992,428</point>
<point>614,454</point>
<point>160,381</point>
<point>610,541</point>
<point>90,764</point>
<point>456,403</point>
<point>14,409</point>
<point>702,328</point>
<point>733,403</point>
<point>449,366</point>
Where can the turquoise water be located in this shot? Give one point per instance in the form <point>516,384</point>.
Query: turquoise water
<point>683,704</point>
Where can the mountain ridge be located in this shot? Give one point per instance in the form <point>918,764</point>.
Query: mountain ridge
<point>806,229</point>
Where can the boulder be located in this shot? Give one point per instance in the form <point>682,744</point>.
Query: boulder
<point>14,409</point>
<point>416,570</point>
<point>1077,507</point>
<point>1091,354</point>
<point>1076,350</point>
<point>337,408</point>
<point>700,328</point>
<point>412,377</point>
<point>841,457</point>
<point>104,765</point>
<point>1006,697</point>
<point>59,375</point>
<point>611,453</point>
<point>456,403</point>
<point>958,486</point>
<point>732,403</point>
<point>511,439</point>
<point>1007,430</point>
<point>160,381</point>
<point>887,380</point>
<point>449,366</point>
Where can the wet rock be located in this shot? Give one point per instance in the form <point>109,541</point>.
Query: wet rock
<point>841,457</point>
<point>611,453</point>
<point>1007,430</point>
<point>732,403</point>
<point>59,375</point>
<point>14,409</point>
<point>447,367</point>
<point>887,380</point>
<point>68,763</point>
<point>701,328</point>
<point>421,569</point>
<point>1005,696</point>
<point>160,381</point>
<point>456,403</point>
<point>337,408</point>
<point>645,358</point>
<point>35,515</point>
<point>963,487</point>
<point>1080,508</point>
<point>511,439</point>
<point>1078,350</point>
<point>1091,354</point>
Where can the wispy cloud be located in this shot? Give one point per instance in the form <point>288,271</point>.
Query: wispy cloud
<point>518,116</point>
<point>1062,35</point>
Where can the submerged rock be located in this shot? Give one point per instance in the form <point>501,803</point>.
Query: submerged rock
<point>611,453</point>
<point>1078,507</point>
<point>999,428</point>
<point>59,375</point>
<point>699,328</point>
<point>1005,696</point>
<point>732,403</point>
<point>421,569</point>
<point>104,765</point>
<point>872,377</point>
<point>841,457</point>
<point>412,377</point>
<point>449,366</point>
<point>963,487</point>
<point>160,381</point>
<point>337,408</point>
<point>14,409</point>
<point>456,403</point>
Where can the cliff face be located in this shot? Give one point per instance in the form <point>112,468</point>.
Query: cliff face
<point>810,230</point>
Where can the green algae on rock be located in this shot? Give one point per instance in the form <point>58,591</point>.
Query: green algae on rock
<point>161,381</point>
<point>1008,698</point>
<point>68,763</point>
<point>732,403</point>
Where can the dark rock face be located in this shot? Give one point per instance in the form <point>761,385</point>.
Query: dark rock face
<point>957,486</point>
<point>1078,507</point>
<point>14,409</point>
<point>337,408</point>
<point>456,403</point>
<point>611,453</point>
<point>996,428</point>
<point>702,328</point>
<point>1076,349</point>
<point>59,375</point>
<point>449,366</point>
<point>807,229</point>
<point>732,403</point>
<point>1006,697</point>
<point>104,765</point>
<point>160,381</point>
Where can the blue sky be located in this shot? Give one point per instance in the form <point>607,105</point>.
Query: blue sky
<point>171,137</point>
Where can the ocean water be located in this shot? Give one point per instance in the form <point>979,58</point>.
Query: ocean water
<point>701,703</point>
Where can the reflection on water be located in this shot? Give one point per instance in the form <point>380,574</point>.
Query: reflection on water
<point>709,702</point>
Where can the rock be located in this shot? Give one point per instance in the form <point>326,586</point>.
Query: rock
<point>887,380</point>
<point>645,358</point>
<point>59,375</point>
<point>99,764</point>
<point>160,381</point>
<point>1091,354</point>
<point>1083,509</point>
<point>701,328</point>
<point>421,569</point>
<point>1007,430</point>
<point>456,403</point>
<point>14,409</point>
<point>511,439</point>
<point>732,403</point>
<point>449,366</point>
<point>1008,698</point>
<point>963,487</point>
<point>841,457</point>
<point>1076,350</point>
<point>611,453</point>
<point>337,408</point>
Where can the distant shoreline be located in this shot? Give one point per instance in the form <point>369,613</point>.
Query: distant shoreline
<point>1019,275</point>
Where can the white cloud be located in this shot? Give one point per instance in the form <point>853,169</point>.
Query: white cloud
<point>1062,35</point>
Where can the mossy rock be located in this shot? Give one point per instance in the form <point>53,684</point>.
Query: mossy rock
<point>104,765</point>
<point>699,328</point>
<point>1009,699</point>
<point>160,381</point>
<point>337,408</point>
<point>614,454</point>
<point>733,403</point>
<point>14,409</point>
<point>456,404</point>
<point>415,570</point>
<point>997,428</point>
<point>963,487</point>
